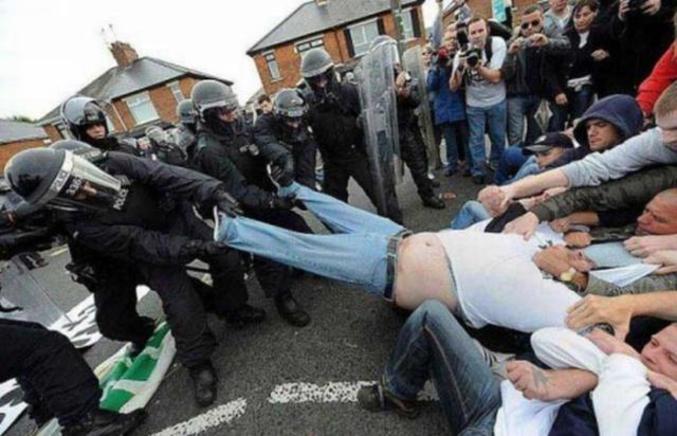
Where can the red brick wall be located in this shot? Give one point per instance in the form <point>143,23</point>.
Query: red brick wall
<point>52,132</point>
<point>288,61</point>
<point>11,148</point>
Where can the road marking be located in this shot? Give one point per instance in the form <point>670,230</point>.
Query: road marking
<point>219,415</point>
<point>58,252</point>
<point>332,392</point>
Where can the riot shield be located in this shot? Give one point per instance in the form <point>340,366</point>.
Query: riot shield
<point>376,79</point>
<point>412,61</point>
<point>22,297</point>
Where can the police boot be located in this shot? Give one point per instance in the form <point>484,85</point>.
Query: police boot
<point>290,310</point>
<point>433,203</point>
<point>204,383</point>
<point>103,422</point>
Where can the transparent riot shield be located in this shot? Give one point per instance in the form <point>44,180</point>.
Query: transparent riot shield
<point>412,61</point>
<point>376,78</point>
<point>22,296</point>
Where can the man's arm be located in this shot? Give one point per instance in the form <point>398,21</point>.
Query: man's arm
<point>549,385</point>
<point>177,181</point>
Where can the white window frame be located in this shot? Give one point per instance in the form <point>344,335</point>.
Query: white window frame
<point>175,87</point>
<point>408,33</point>
<point>63,130</point>
<point>273,67</point>
<point>363,47</point>
<point>137,100</point>
<point>308,43</point>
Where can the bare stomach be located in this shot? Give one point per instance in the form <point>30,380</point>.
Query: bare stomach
<point>422,273</point>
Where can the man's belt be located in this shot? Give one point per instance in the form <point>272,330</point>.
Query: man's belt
<point>391,255</point>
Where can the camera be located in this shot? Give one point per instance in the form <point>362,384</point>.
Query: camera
<point>473,56</point>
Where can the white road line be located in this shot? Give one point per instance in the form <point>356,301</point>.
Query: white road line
<point>224,414</point>
<point>58,252</point>
<point>332,392</point>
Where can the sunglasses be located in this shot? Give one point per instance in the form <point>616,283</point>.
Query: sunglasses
<point>528,24</point>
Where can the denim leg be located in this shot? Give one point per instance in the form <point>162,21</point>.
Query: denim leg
<point>358,259</point>
<point>476,122</point>
<point>559,117</point>
<point>339,216</point>
<point>433,343</point>
<point>496,124</point>
<point>582,100</point>
<point>510,163</point>
<point>472,212</point>
<point>449,132</point>
<point>515,121</point>
<point>533,129</point>
<point>529,167</point>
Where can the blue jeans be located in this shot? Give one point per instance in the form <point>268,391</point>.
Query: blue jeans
<point>355,254</point>
<point>580,101</point>
<point>512,160</point>
<point>433,344</point>
<point>528,168</point>
<point>472,212</point>
<point>456,139</point>
<point>491,120</point>
<point>521,108</point>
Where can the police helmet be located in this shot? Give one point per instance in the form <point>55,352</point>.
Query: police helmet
<point>60,179</point>
<point>289,104</point>
<point>79,148</point>
<point>185,112</point>
<point>79,113</point>
<point>316,67</point>
<point>212,94</point>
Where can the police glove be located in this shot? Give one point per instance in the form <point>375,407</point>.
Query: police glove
<point>227,204</point>
<point>282,171</point>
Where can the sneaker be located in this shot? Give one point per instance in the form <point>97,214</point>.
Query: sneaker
<point>105,423</point>
<point>376,398</point>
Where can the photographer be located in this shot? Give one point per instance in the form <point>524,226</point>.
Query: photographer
<point>478,66</point>
<point>449,107</point>
<point>530,74</point>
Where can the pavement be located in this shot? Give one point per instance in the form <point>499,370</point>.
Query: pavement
<point>275,379</point>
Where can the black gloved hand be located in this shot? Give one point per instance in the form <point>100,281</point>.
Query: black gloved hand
<point>282,171</point>
<point>201,249</point>
<point>227,204</point>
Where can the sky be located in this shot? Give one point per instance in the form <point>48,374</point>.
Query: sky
<point>49,49</point>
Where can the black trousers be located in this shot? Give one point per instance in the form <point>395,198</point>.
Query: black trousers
<point>338,173</point>
<point>276,278</point>
<point>413,154</point>
<point>305,156</point>
<point>49,369</point>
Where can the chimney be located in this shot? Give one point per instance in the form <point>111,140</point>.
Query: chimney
<point>123,53</point>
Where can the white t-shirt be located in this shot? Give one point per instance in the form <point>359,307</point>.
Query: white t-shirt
<point>479,91</point>
<point>498,283</point>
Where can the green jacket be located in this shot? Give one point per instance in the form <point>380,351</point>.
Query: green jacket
<point>632,191</point>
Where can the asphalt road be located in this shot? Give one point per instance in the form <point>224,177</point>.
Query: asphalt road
<point>348,340</point>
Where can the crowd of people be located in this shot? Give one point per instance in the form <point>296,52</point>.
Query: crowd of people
<point>578,234</point>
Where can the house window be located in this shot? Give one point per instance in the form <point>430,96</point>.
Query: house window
<point>141,107</point>
<point>273,69</point>
<point>176,91</point>
<point>304,46</point>
<point>407,24</point>
<point>361,35</point>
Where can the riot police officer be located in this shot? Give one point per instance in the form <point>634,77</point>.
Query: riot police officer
<point>226,151</point>
<point>412,148</point>
<point>286,125</point>
<point>114,210</point>
<point>334,111</point>
<point>57,382</point>
<point>184,134</point>
<point>163,148</point>
<point>86,121</point>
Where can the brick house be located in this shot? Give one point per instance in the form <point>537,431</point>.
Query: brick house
<point>136,93</point>
<point>16,136</point>
<point>344,28</point>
